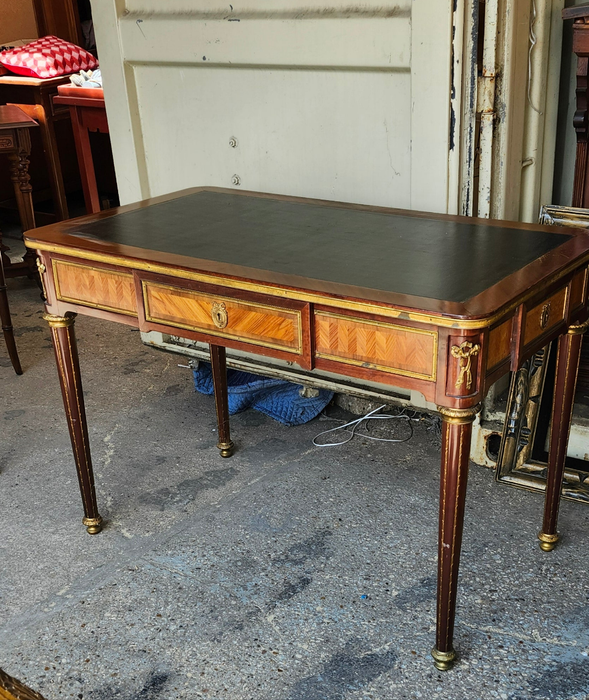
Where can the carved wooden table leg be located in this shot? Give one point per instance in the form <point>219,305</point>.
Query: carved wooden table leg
<point>219,368</point>
<point>6,321</point>
<point>13,689</point>
<point>457,430</point>
<point>19,174</point>
<point>567,366</point>
<point>68,367</point>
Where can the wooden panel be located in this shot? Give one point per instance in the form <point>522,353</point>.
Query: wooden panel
<point>544,316</point>
<point>370,344</point>
<point>249,322</point>
<point>93,286</point>
<point>579,289</point>
<point>499,344</point>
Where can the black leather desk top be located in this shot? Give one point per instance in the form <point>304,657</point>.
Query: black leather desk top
<point>426,257</point>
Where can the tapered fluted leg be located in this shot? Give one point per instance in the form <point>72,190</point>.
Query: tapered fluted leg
<point>457,429</point>
<point>567,366</point>
<point>7,322</point>
<point>219,368</point>
<point>68,367</point>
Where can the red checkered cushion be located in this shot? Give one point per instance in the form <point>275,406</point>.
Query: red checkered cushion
<point>47,58</point>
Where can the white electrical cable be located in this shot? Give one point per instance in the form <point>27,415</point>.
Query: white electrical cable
<point>357,423</point>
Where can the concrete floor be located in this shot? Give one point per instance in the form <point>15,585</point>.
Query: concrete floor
<point>287,572</point>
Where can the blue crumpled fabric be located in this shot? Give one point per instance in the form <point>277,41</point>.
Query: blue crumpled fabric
<point>274,397</point>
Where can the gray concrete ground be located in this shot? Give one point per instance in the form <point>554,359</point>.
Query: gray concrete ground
<point>287,572</point>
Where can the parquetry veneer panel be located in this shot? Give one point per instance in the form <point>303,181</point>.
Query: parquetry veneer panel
<point>260,324</point>
<point>91,286</point>
<point>392,348</point>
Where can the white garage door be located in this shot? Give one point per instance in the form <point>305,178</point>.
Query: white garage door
<point>337,101</point>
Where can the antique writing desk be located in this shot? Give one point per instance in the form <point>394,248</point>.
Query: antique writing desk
<point>441,304</point>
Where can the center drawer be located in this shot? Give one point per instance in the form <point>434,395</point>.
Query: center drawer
<point>225,313</point>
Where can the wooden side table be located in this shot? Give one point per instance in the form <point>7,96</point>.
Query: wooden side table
<point>15,142</point>
<point>34,96</point>
<point>87,114</point>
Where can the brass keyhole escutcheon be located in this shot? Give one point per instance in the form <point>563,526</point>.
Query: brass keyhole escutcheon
<point>544,316</point>
<point>219,314</point>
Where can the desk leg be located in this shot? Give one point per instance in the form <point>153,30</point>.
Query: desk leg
<point>219,367</point>
<point>68,367</point>
<point>567,366</point>
<point>456,434</point>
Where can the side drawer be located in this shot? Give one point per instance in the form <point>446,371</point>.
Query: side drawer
<point>97,287</point>
<point>385,346</point>
<point>226,314</point>
<point>544,316</point>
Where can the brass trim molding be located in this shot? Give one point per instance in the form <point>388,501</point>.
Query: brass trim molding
<point>459,416</point>
<point>578,328</point>
<point>60,321</point>
<point>430,319</point>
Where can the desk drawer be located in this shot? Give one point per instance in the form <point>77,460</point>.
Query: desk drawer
<point>97,287</point>
<point>544,316</point>
<point>224,316</point>
<point>380,345</point>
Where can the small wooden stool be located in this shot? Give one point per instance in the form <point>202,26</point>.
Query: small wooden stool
<point>15,142</point>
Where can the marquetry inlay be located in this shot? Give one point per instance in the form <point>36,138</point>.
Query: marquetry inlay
<point>246,321</point>
<point>385,346</point>
<point>96,287</point>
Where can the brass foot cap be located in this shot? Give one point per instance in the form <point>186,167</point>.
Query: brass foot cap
<point>547,542</point>
<point>443,660</point>
<point>226,448</point>
<point>93,525</point>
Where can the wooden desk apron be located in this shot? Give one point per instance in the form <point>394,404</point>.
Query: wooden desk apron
<point>444,305</point>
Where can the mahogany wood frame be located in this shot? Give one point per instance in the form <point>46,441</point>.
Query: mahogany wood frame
<point>476,342</point>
